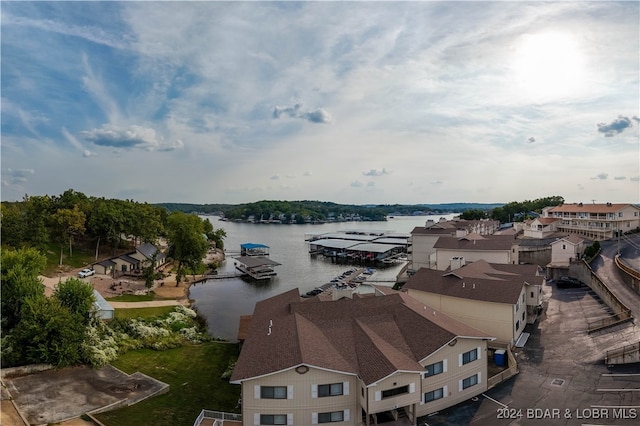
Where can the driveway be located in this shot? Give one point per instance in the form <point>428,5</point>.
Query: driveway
<point>57,395</point>
<point>563,379</point>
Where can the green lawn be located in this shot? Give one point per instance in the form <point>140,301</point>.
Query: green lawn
<point>125,313</point>
<point>193,374</point>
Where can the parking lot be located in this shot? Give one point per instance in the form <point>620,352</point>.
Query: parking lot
<point>563,379</point>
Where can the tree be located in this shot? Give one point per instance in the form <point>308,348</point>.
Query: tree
<point>187,242</point>
<point>473,214</point>
<point>215,235</point>
<point>77,296</point>
<point>19,281</point>
<point>47,333</point>
<point>68,223</point>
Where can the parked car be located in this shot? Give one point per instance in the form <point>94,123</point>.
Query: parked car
<point>569,282</point>
<point>314,292</point>
<point>86,273</point>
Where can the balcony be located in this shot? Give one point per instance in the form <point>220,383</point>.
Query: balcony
<point>217,418</point>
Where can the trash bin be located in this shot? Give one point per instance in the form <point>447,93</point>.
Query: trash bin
<point>499,357</point>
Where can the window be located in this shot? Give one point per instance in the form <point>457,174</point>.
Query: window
<point>517,325</point>
<point>523,314</point>
<point>273,392</point>
<point>330,390</point>
<point>273,419</point>
<point>433,369</point>
<point>470,381</point>
<point>334,416</point>
<point>470,356</point>
<point>433,395</point>
<point>395,391</point>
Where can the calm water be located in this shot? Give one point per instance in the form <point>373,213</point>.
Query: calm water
<point>222,301</point>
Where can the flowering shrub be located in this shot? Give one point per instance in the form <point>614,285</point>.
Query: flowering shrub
<point>104,340</point>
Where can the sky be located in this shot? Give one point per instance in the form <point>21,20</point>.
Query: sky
<point>350,102</point>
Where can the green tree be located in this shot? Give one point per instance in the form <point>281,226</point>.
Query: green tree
<point>473,214</point>
<point>215,235</point>
<point>68,223</point>
<point>47,333</point>
<point>187,241</point>
<point>19,280</point>
<point>77,296</point>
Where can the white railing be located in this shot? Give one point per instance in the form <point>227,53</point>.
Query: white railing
<point>218,417</point>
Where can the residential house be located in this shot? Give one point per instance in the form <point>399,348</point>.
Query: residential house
<point>148,253</point>
<point>567,249</point>
<point>541,227</point>
<point>473,247</point>
<point>499,299</point>
<point>352,361</point>
<point>105,267</point>
<point>595,221</point>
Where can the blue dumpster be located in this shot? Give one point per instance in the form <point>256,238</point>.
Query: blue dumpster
<point>499,357</point>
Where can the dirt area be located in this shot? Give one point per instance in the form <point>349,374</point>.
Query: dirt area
<point>58,395</point>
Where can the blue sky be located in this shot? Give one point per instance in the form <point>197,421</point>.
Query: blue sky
<point>358,102</point>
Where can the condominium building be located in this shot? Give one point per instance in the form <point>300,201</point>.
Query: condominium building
<point>499,299</point>
<point>595,221</point>
<point>355,360</point>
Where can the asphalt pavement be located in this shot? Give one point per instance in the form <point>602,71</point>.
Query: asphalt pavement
<point>563,379</point>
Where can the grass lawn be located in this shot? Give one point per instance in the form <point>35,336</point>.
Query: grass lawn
<point>193,374</point>
<point>159,311</point>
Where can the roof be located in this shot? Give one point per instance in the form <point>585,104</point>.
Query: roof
<point>255,261</point>
<point>106,263</point>
<point>371,337</point>
<point>480,280</point>
<point>476,242</point>
<point>253,246</point>
<point>547,220</point>
<point>590,208</point>
<point>571,238</point>
<point>129,259</point>
<point>148,250</point>
<point>334,243</point>
<point>375,247</point>
<point>100,303</point>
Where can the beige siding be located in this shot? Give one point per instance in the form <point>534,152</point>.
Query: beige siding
<point>496,319</point>
<point>422,249</point>
<point>563,251</point>
<point>302,404</point>
<point>450,379</point>
<point>378,404</point>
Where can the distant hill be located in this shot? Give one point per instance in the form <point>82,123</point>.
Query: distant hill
<point>291,211</point>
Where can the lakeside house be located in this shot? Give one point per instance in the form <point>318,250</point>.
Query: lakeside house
<point>132,263</point>
<point>499,299</point>
<point>348,361</point>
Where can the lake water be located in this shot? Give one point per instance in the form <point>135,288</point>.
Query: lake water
<point>223,301</point>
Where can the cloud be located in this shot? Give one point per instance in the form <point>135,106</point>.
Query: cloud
<point>308,173</point>
<point>436,182</point>
<point>131,137</point>
<point>374,172</point>
<point>531,140</point>
<point>615,127</point>
<point>318,116</point>
<point>17,176</point>
<point>275,177</point>
<point>357,184</point>
<point>635,179</point>
<point>601,176</point>
<point>619,178</point>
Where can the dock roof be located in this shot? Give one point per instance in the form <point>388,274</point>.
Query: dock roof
<point>256,261</point>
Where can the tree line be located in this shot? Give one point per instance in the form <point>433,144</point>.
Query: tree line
<point>515,211</point>
<point>74,218</point>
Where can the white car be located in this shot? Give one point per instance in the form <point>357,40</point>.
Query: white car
<point>86,273</point>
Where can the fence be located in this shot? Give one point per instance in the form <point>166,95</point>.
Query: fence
<point>217,417</point>
<point>506,374</point>
<point>624,355</point>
